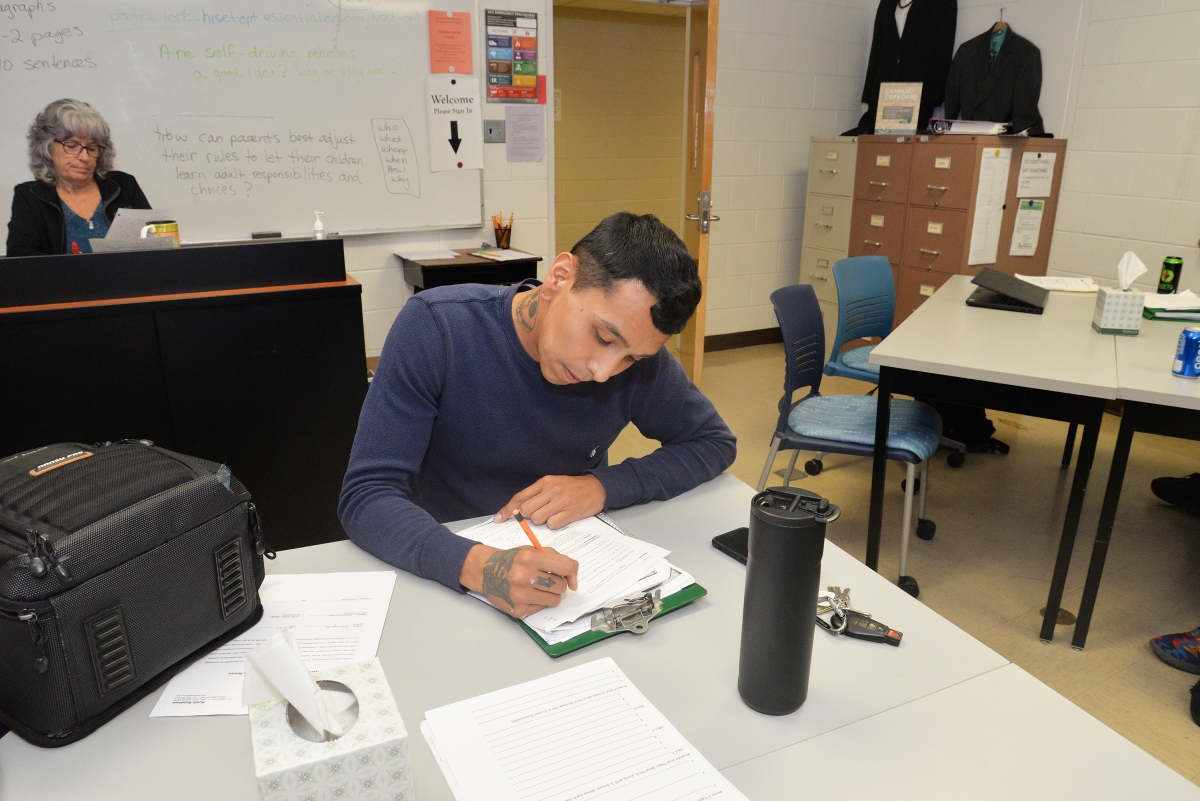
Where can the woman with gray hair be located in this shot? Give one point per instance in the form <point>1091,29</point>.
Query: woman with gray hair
<point>77,192</point>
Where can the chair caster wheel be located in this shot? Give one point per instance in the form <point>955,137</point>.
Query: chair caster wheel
<point>916,484</point>
<point>813,467</point>
<point>956,459</point>
<point>926,529</point>
<point>909,585</point>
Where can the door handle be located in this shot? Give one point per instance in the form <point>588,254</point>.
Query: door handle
<point>703,215</point>
<point>934,188</point>
<point>695,217</point>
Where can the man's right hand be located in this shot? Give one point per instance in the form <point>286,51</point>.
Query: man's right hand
<point>519,581</point>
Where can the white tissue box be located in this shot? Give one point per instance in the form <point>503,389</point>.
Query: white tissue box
<point>1118,311</point>
<point>368,762</point>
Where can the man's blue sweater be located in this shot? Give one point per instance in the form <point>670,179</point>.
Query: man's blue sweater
<point>459,419</point>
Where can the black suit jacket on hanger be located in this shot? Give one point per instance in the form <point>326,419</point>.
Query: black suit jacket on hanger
<point>922,55</point>
<point>1007,90</point>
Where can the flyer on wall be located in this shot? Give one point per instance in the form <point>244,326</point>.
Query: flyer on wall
<point>512,56</point>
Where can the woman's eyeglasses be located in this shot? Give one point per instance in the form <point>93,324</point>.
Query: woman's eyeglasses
<point>72,148</point>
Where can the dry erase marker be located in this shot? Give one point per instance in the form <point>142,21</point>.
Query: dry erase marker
<point>528,530</point>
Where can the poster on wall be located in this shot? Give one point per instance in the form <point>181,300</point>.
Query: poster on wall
<point>512,56</point>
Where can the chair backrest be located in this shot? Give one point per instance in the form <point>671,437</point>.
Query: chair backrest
<point>866,298</point>
<point>803,330</point>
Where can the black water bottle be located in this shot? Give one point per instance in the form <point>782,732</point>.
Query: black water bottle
<point>783,577</point>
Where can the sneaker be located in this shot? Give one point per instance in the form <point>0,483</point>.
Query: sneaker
<point>1183,492</point>
<point>1179,650</point>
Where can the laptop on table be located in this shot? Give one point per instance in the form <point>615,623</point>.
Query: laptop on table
<point>1000,291</point>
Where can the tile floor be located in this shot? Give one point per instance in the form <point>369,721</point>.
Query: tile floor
<point>999,520</point>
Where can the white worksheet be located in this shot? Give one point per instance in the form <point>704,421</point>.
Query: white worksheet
<point>1037,174</point>
<point>989,205</point>
<point>584,733</point>
<point>609,562</point>
<point>336,618</point>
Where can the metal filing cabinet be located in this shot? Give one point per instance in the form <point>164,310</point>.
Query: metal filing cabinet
<point>828,209</point>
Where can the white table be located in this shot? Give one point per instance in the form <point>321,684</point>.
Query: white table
<point>1051,365</point>
<point>1156,402</point>
<point>439,647</point>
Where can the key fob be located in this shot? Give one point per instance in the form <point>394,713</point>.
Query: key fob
<point>861,627</point>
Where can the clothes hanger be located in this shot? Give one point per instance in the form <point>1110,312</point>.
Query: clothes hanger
<point>1001,25</point>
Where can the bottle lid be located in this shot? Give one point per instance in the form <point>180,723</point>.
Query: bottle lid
<point>793,507</point>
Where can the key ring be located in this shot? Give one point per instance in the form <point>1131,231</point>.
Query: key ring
<point>836,600</point>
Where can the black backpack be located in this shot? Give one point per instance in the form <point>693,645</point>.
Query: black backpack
<point>120,564</point>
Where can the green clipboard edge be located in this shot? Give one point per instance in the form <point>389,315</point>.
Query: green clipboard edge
<point>672,602</point>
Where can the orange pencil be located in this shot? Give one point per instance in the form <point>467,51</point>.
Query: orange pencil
<point>528,530</point>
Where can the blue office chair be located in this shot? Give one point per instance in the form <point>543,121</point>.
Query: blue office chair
<point>845,423</point>
<point>866,308</point>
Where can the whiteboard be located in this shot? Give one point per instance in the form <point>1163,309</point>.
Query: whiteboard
<point>245,115</point>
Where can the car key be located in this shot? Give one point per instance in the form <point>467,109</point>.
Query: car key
<point>862,627</point>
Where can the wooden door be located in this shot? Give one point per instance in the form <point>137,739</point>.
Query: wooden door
<point>697,168</point>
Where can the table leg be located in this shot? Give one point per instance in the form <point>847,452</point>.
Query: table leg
<point>1066,545</point>
<point>1108,514</point>
<point>1069,448</point>
<point>879,466</point>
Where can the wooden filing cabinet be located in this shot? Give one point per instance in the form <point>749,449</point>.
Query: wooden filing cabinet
<point>915,202</point>
<point>828,209</point>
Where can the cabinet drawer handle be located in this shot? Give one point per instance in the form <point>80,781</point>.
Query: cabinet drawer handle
<point>831,172</point>
<point>879,183</point>
<point>824,225</point>
<point>818,277</point>
<point>873,244</point>
<point>930,252</point>
<point>934,188</point>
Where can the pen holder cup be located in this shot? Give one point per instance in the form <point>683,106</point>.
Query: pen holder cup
<point>503,235</point>
<point>783,577</point>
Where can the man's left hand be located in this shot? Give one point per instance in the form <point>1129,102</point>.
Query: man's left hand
<point>557,500</point>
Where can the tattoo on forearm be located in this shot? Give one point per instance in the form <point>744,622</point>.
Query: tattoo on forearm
<point>495,575</point>
<point>544,581</point>
<point>528,302</point>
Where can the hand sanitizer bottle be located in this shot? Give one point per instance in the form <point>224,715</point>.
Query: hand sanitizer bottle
<point>318,226</point>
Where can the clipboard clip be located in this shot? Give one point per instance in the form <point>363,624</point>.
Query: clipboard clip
<point>633,615</point>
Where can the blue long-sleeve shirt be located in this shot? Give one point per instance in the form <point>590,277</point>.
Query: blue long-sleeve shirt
<point>459,419</point>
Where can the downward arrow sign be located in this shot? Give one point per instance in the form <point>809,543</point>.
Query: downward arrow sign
<point>454,140</point>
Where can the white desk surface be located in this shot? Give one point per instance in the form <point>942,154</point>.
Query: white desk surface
<point>1144,366</point>
<point>1001,736</point>
<point>439,647</point>
<point>1056,350</point>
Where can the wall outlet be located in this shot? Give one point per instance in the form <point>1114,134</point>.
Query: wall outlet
<point>493,131</point>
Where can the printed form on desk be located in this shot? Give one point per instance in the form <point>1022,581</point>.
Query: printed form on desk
<point>336,618</point>
<point>584,733</point>
<point>611,564</point>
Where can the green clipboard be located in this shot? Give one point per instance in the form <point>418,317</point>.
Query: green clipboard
<point>669,604</point>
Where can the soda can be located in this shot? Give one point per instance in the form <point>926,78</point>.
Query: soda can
<point>1187,353</point>
<point>1168,279</point>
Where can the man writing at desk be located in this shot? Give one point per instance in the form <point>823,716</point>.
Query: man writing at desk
<point>492,399</point>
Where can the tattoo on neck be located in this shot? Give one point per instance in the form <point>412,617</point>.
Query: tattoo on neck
<point>530,302</point>
<point>495,575</point>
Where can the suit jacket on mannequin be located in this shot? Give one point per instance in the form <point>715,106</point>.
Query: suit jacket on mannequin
<point>923,54</point>
<point>1004,91</point>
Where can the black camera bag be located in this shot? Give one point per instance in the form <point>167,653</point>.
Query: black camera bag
<point>120,565</point>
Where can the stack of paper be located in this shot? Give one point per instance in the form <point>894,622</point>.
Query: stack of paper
<point>1184,305</point>
<point>1061,283</point>
<point>584,733</point>
<point>612,566</point>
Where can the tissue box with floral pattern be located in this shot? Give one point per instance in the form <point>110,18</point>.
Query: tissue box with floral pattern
<point>368,762</point>
<point>1118,311</point>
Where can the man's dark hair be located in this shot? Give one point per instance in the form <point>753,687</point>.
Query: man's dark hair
<point>625,246</point>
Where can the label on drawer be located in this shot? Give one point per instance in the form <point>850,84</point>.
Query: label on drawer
<point>877,220</point>
<point>933,228</point>
<point>831,155</point>
<point>823,263</point>
<point>883,161</point>
<point>941,163</point>
<point>827,211</point>
<point>926,290</point>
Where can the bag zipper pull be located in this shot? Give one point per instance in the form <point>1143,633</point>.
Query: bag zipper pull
<point>60,570</point>
<point>41,664</point>
<point>37,564</point>
<point>260,545</point>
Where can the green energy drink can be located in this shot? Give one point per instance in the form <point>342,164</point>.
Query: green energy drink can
<point>1168,280</point>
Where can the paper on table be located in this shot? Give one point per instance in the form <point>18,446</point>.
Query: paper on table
<point>677,581</point>
<point>1187,299</point>
<point>609,562</point>
<point>500,254</point>
<point>425,253</point>
<point>336,619</point>
<point>989,205</point>
<point>121,245</point>
<point>1061,283</point>
<point>586,732</point>
<point>128,222</point>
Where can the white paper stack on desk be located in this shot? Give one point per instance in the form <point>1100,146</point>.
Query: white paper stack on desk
<point>612,566</point>
<point>1184,305</point>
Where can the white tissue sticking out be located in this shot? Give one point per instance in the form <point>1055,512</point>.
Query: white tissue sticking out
<point>1129,268</point>
<point>274,670</point>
